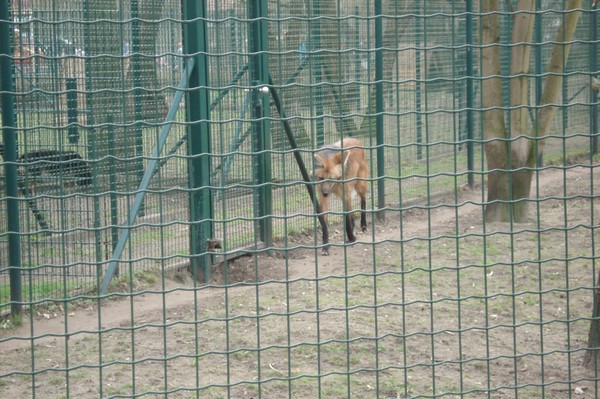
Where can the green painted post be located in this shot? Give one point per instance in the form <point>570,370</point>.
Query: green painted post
<point>538,52</point>
<point>539,80</point>
<point>234,43</point>
<point>72,110</point>
<point>418,53</point>
<point>91,132</point>
<point>9,123</point>
<point>139,115</point>
<point>114,203</point>
<point>199,138</point>
<point>594,67</point>
<point>379,110</point>
<point>470,95</point>
<point>314,47</point>
<point>358,56</point>
<point>261,143</point>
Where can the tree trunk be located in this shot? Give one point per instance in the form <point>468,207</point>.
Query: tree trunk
<point>510,155</point>
<point>517,185</point>
<point>590,358</point>
<point>496,148</point>
<point>508,151</point>
<point>558,58</point>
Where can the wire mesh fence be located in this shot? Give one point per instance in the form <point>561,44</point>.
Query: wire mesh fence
<point>434,300</point>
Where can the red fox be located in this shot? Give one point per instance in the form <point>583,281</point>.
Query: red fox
<point>342,169</point>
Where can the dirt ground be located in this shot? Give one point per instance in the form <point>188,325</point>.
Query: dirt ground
<point>429,303</point>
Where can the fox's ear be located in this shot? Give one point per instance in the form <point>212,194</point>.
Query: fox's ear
<point>318,161</point>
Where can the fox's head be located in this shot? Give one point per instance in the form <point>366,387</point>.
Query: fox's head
<point>328,169</point>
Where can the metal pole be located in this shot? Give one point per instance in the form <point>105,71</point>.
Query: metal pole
<point>379,110</point>
<point>418,83</point>
<point>358,55</point>
<point>259,75</point>
<point>538,52</point>
<point>199,138</point>
<point>297,155</point>
<point>72,110</point>
<point>7,102</point>
<point>470,95</point>
<point>136,31</point>
<point>594,67</point>
<point>114,204</point>
<point>314,47</point>
<point>539,81</point>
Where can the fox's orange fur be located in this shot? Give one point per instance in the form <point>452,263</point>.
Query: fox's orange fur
<point>342,169</point>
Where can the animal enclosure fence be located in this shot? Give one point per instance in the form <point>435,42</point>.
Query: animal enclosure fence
<point>143,138</point>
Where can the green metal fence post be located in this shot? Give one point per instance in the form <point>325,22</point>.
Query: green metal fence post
<point>136,49</point>
<point>199,138</point>
<point>379,110</point>
<point>114,203</point>
<point>470,94</point>
<point>9,123</point>
<point>358,56</point>
<point>594,67</point>
<point>418,83</point>
<point>234,41</point>
<point>72,110</point>
<point>314,47</point>
<point>539,80</point>
<point>259,76</point>
<point>538,53</point>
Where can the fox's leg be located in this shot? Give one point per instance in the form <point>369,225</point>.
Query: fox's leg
<point>361,190</point>
<point>350,227</point>
<point>322,208</point>
<point>348,216</point>
<point>363,213</point>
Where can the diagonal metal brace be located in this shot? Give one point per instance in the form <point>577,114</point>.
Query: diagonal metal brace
<point>152,165</point>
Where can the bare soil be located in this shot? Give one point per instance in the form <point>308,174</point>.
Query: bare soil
<point>431,301</point>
